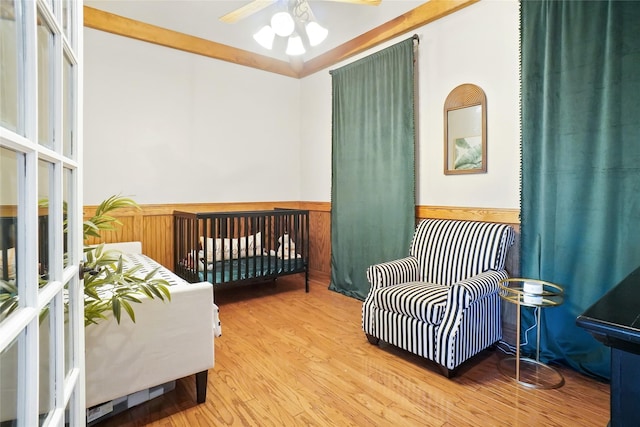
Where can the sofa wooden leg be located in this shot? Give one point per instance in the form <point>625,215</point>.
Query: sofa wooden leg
<point>201,386</point>
<point>373,340</point>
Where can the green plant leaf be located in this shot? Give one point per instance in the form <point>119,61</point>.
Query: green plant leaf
<point>115,307</point>
<point>129,310</point>
<point>144,288</point>
<point>112,285</point>
<point>133,270</point>
<point>154,290</point>
<point>8,298</point>
<point>8,287</point>
<point>151,274</point>
<point>91,292</point>
<point>94,312</point>
<point>8,307</point>
<point>119,267</point>
<point>164,288</point>
<point>128,297</point>
<point>101,221</point>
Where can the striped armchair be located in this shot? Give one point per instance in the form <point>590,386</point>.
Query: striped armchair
<point>441,302</point>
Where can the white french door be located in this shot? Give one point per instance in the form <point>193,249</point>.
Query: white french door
<point>41,299</point>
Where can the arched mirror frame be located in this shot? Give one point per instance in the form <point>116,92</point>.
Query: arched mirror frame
<point>463,102</point>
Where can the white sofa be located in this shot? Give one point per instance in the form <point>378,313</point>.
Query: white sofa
<point>169,340</point>
<point>127,362</point>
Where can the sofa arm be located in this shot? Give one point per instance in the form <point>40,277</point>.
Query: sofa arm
<point>465,292</point>
<point>169,340</point>
<point>393,272</point>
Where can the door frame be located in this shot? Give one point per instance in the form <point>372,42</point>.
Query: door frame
<point>47,260</point>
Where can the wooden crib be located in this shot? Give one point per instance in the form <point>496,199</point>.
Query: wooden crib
<point>241,247</point>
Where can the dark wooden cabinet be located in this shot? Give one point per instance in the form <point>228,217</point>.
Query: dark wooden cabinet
<point>614,320</point>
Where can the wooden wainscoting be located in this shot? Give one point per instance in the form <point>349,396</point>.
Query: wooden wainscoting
<point>153,226</point>
<point>319,240</point>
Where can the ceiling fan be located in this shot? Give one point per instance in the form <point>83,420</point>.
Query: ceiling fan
<point>257,5</point>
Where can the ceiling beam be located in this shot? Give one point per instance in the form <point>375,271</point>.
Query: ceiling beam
<point>116,24</point>
<point>246,10</point>
<point>416,18</point>
<point>420,16</point>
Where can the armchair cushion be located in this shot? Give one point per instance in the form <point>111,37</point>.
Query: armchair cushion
<point>422,301</point>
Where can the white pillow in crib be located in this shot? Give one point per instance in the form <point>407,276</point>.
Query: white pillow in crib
<point>218,246</point>
<point>233,248</point>
<point>246,247</point>
<point>255,244</point>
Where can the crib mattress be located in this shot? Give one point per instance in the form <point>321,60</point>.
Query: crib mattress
<point>250,268</point>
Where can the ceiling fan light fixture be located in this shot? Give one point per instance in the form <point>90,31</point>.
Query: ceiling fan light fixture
<point>295,46</point>
<point>316,33</point>
<point>282,24</point>
<point>265,37</point>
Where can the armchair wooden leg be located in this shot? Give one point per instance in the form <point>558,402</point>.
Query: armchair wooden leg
<point>373,340</point>
<point>201,386</point>
<point>446,372</point>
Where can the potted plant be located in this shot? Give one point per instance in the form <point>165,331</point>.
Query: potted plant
<point>109,284</point>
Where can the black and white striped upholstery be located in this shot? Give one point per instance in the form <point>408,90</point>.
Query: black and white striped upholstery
<point>441,302</point>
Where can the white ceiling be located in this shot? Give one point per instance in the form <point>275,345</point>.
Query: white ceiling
<point>200,18</point>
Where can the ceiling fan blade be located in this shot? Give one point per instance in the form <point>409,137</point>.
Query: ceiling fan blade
<point>246,10</point>
<point>364,2</point>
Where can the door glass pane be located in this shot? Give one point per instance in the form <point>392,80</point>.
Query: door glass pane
<point>45,171</point>
<point>68,333</point>
<point>46,393</point>
<point>9,384</point>
<point>8,226</point>
<point>68,116</point>
<point>45,80</point>
<point>66,205</point>
<point>67,11</point>
<point>68,325</point>
<point>8,66</point>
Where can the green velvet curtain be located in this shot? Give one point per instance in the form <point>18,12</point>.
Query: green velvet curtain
<point>580,162</point>
<point>373,173</point>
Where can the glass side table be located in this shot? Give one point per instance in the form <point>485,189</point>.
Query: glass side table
<point>538,294</point>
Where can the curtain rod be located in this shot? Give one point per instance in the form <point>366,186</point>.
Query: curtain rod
<point>415,38</point>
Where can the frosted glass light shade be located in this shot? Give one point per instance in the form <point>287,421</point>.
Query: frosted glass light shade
<point>282,23</point>
<point>316,33</point>
<point>265,37</point>
<point>295,46</point>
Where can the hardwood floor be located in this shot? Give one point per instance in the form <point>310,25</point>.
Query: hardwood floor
<point>287,358</point>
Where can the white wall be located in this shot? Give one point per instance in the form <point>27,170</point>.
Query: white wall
<point>166,126</point>
<point>478,45</point>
